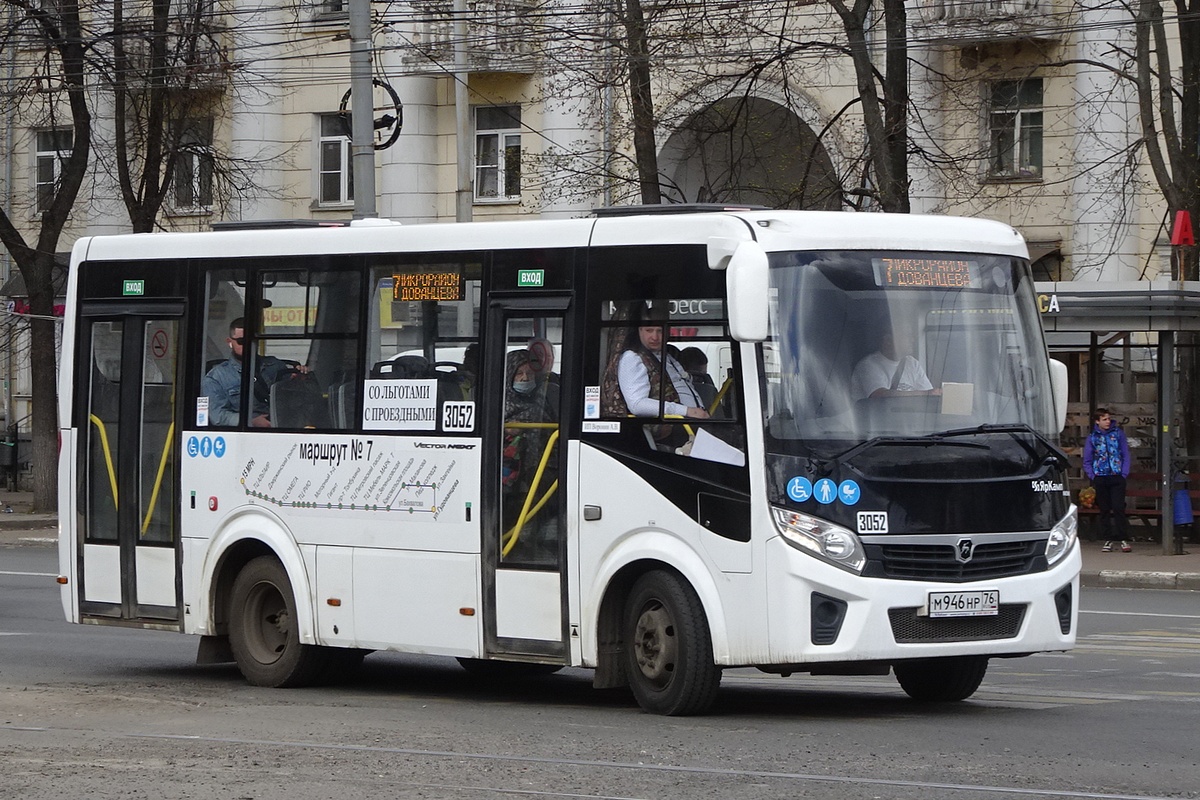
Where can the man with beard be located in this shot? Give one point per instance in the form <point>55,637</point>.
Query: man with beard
<point>223,383</point>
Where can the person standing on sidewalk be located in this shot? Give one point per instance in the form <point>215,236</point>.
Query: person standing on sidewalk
<point>1106,464</point>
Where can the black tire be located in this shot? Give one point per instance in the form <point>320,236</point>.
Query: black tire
<point>668,647</point>
<point>263,633</point>
<point>506,670</point>
<point>941,680</point>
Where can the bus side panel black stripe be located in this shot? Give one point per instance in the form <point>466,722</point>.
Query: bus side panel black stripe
<point>711,504</point>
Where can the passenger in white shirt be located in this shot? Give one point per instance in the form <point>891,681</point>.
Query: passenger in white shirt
<point>634,375</point>
<point>889,372</point>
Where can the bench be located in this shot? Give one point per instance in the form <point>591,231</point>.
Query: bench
<point>1143,501</point>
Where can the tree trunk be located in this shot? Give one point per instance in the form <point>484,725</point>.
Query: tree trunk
<point>642,103</point>
<point>42,359</point>
<point>885,120</point>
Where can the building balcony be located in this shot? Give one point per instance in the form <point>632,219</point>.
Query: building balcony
<point>967,23</point>
<point>499,37</point>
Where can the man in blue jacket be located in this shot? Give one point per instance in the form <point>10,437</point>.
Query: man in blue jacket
<point>1106,464</point>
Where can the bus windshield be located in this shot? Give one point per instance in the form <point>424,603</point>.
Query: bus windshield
<point>871,344</point>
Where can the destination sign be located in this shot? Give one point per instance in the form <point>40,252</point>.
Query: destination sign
<point>413,286</point>
<point>940,273</point>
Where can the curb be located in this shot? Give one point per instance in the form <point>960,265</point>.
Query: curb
<point>1133,579</point>
<point>28,522</point>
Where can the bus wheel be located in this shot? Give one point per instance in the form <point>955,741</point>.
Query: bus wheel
<point>262,629</point>
<point>941,680</point>
<point>668,648</point>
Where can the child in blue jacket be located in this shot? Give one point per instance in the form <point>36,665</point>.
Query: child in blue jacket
<point>1106,464</point>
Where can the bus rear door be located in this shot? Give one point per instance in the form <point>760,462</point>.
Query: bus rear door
<point>125,409</point>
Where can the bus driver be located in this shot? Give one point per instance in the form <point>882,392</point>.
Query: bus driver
<point>223,383</point>
<point>890,371</point>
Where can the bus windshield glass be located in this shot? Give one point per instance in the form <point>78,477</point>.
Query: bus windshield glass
<point>871,344</point>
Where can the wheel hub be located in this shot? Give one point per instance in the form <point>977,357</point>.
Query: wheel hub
<point>269,625</point>
<point>655,646</point>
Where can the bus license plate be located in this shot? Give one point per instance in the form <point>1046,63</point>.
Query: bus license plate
<point>984,603</point>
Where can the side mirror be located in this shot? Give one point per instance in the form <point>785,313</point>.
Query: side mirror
<point>1058,389</point>
<point>747,281</point>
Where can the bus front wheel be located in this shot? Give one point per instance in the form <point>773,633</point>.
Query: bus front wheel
<point>941,680</point>
<point>668,647</point>
<point>263,631</point>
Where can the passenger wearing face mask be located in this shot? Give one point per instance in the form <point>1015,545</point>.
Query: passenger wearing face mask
<point>526,399</point>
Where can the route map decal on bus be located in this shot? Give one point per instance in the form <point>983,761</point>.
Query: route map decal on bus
<point>359,474</point>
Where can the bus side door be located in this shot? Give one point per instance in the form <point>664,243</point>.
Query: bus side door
<point>126,411</point>
<point>525,478</point>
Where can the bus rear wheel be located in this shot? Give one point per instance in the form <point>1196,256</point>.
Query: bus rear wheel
<point>941,680</point>
<point>263,632</point>
<point>668,647</point>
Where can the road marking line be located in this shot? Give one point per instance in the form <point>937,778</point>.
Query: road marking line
<point>1139,614</point>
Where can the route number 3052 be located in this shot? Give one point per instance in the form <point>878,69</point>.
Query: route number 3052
<point>458,416</point>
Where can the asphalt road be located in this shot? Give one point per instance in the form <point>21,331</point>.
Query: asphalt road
<point>98,713</point>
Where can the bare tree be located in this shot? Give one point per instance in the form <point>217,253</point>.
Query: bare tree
<point>169,73</point>
<point>885,116</point>
<point>1169,108</point>
<point>55,90</point>
<point>1168,97</point>
<point>641,99</point>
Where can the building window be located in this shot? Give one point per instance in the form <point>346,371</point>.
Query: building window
<point>498,153</point>
<point>53,148</point>
<point>335,175</point>
<point>194,166</point>
<point>323,9</point>
<point>1016,129</point>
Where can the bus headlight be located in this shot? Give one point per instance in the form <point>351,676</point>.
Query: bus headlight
<point>1062,536</point>
<point>822,539</point>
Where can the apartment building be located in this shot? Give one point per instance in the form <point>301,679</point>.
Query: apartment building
<point>1019,113</point>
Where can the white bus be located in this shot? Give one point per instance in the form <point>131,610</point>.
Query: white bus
<point>306,444</point>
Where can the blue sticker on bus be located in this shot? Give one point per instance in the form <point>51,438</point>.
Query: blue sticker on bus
<point>219,446</point>
<point>849,493</point>
<point>206,447</point>
<point>799,489</point>
<point>193,446</point>
<point>825,491</point>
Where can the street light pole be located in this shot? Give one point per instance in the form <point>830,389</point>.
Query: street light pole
<point>362,114</point>
<point>462,116</point>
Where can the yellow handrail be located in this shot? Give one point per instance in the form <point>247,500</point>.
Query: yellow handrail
<point>112,473</point>
<point>686,427</point>
<point>720,395</point>
<point>509,539</point>
<point>162,466</point>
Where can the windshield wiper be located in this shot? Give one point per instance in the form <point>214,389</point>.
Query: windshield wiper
<point>845,456</point>
<point>1012,428</point>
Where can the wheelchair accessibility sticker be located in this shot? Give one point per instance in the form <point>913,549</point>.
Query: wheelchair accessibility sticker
<point>205,446</point>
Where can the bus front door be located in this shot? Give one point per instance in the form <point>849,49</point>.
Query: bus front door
<point>525,486</point>
<point>128,492</point>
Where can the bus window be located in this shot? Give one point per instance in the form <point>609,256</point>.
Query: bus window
<point>223,341</point>
<point>672,360</point>
<point>301,346</point>
<point>307,345</point>
<point>423,344</point>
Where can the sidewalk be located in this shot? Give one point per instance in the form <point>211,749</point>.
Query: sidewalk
<point>1145,568</point>
<point>22,527</point>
